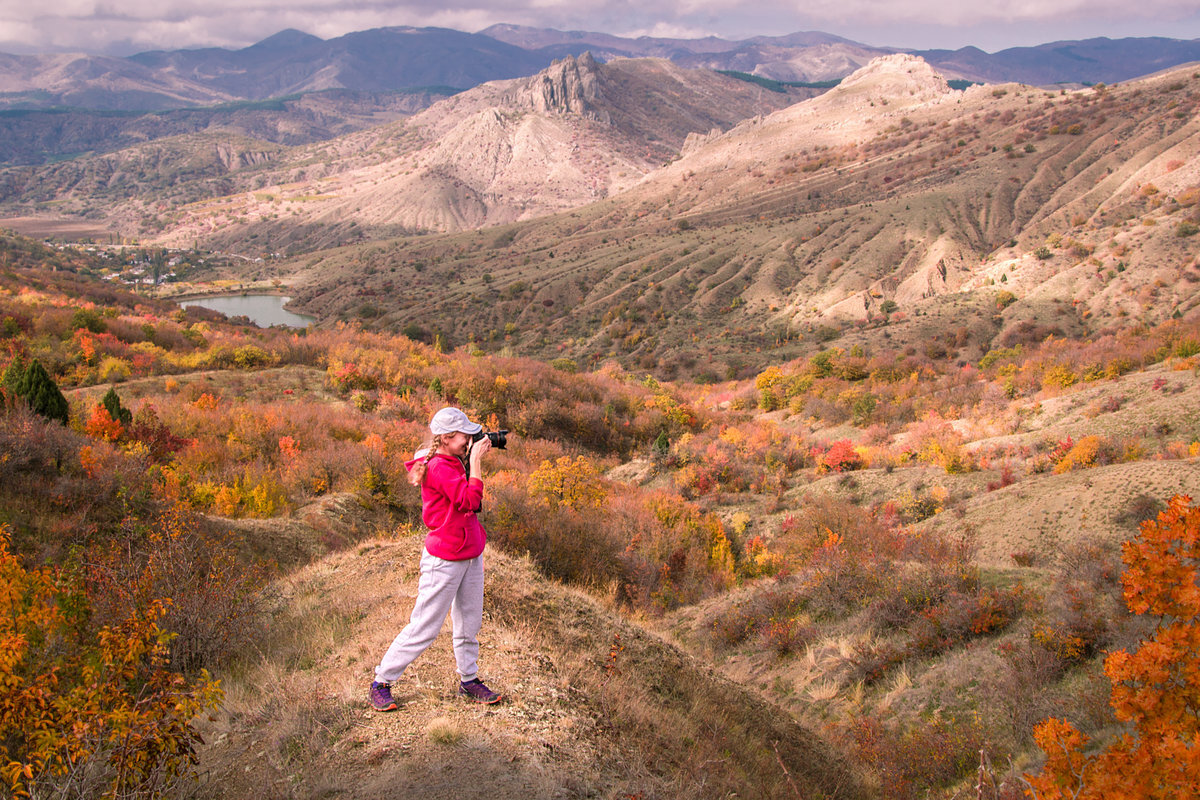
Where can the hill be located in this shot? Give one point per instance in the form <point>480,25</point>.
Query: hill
<point>595,705</point>
<point>34,136</point>
<point>864,572</point>
<point>294,88</point>
<point>890,211</point>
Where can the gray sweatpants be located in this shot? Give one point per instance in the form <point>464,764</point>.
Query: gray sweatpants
<point>445,586</point>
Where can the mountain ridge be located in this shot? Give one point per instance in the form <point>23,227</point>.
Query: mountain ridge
<point>399,58</point>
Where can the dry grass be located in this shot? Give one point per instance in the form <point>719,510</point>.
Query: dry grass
<point>593,704</point>
<point>444,731</point>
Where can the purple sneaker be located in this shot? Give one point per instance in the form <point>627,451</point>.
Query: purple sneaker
<point>477,691</point>
<point>381,697</point>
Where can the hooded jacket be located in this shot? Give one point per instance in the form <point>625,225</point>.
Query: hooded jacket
<point>448,505</point>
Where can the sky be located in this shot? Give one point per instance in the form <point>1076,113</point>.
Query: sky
<point>123,27</point>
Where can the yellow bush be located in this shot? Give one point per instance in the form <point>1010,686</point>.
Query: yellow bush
<point>1065,646</point>
<point>1082,455</point>
<point>1060,376</point>
<point>113,369</point>
<point>574,484</point>
<point>248,356</point>
<point>948,455</point>
<point>1118,367</point>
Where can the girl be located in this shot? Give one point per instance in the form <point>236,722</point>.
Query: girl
<point>452,564</point>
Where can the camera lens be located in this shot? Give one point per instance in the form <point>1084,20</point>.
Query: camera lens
<point>499,439</point>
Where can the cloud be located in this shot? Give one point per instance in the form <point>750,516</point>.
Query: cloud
<point>130,25</point>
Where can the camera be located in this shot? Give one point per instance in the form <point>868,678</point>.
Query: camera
<point>499,439</point>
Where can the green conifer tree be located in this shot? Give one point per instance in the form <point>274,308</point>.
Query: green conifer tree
<point>12,377</point>
<point>43,394</point>
<point>112,404</point>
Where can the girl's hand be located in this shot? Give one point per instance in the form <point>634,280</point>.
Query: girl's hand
<point>477,451</point>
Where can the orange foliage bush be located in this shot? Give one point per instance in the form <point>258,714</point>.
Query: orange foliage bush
<point>100,425</point>
<point>209,594</point>
<point>840,457</point>
<point>1155,688</point>
<point>1090,451</point>
<point>88,713</point>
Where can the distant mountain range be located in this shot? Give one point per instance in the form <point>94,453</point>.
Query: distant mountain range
<point>403,59</point>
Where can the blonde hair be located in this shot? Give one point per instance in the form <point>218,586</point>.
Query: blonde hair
<point>416,475</point>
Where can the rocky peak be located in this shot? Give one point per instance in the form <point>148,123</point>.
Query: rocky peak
<point>568,86</point>
<point>900,75</point>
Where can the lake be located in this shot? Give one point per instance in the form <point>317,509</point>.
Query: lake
<point>264,310</point>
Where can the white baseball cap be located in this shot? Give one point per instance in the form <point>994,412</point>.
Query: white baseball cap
<point>449,420</point>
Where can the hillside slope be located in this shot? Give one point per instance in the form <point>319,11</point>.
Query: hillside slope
<point>595,706</point>
<point>890,210</point>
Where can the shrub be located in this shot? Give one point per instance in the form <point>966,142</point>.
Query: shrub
<point>101,425</point>
<point>840,457</point>
<point>1090,451</point>
<point>1060,376</point>
<point>112,403</point>
<point>1187,347</point>
<point>210,595</point>
<point>1154,688</point>
<point>911,760</point>
<point>89,713</point>
<point>87,319</point>
<point>768,612</point>
<point>113,370</point>
<point>574,484</point>
<point>249,356</point>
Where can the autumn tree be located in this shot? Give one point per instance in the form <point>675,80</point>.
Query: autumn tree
<point>1155,688</point>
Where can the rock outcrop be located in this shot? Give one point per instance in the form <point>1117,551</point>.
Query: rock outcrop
<point>569,86</point>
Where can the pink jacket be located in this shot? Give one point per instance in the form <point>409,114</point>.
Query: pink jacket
<point>448,505</point>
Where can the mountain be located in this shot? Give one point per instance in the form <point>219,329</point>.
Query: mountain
<point>503,151</point>
<point>376,60</point>
<point>1090,61</point>
<point>404,58</point>
<point>57,106</point>
<point>77,80</point>
<point>62,106</point>
<point>288,63</point>
<point>890,210</point>
<point>623,207</point>
<point>816,56</point>
<point>805,56</point>
<point>31,136</point>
